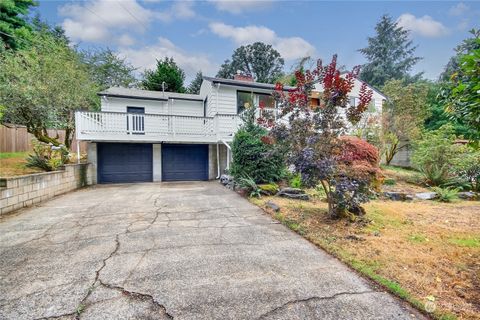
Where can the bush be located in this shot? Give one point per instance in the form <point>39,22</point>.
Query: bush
<point>247,183</point>
<point>254,155</point>
<point>47,157</point>
<point>446,194</point>
<point>296,181</point>
<point>434,155</point>
<point>467,167</point>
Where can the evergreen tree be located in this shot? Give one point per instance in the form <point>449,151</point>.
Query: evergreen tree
<point>390,54</point>
<point>167,72</point>
<point>260,60</point>
<point>14,26</point>
<point>194,87</point>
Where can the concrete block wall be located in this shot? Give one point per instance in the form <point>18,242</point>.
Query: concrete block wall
<point>212,160</point>
<point>24,191</point>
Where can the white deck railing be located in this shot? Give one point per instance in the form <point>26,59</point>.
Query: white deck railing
<point>118,126</point>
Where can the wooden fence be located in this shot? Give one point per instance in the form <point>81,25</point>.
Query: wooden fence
<point>14,138</point>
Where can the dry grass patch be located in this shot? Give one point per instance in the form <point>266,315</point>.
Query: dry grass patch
<point>421,250</point>
<point>13,164</point>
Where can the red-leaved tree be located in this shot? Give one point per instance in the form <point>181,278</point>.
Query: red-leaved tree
<point>313,137</point>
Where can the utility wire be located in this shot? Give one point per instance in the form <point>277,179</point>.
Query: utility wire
<point>133,16</point>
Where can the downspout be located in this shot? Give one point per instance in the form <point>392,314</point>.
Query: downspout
<point>229,149</point>
<point>218,162</point>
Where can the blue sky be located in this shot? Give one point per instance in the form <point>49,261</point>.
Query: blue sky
<point>200,35</point>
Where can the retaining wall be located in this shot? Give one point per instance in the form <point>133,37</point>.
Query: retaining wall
<point>23,191</point>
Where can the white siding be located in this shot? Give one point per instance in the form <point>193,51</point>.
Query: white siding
<point>174,106</point>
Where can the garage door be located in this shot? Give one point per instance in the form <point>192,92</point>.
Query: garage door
<point>184,162</point>
<point>124,162</point>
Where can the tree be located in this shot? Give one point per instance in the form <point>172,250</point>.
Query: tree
<point>345,167</point>
<point>453,65</point>
<point>260,60</point>
<point>167,74</point>
<point>390,54</point>
<point>194,87</point>
<point>14,27</point>
<point>109,70</point>
<point>404,114</point>
<point>41,86</point>
<point>461,94</point>
<point>438,117</point>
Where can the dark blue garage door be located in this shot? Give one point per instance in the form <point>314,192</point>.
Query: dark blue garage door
<point>124,162</point>
<point>184,162</point>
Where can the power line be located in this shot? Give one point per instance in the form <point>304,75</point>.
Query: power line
<point>133,16</point>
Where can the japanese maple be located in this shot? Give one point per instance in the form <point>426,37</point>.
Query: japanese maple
<point>314,136</point>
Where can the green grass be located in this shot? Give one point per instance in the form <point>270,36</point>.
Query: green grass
<point>9,155</point>
<point>417,238</point>
<point>465,242</point>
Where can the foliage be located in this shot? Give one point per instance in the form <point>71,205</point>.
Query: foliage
<point>253,155</point>
<point>404,113</point>
<point>249,184</point>
<point>258,59</point>
<point>446,194</point>
<point>268,188</point>
<point>168,73</point>
<point>47,157</point>
<point>438,117</point>
<point>467,167</point>
<point>43,84</point>
<point>15,31</point>
<point>461,94</point>
<point>390,53</point>
<point>107,69</point>
<point>194,87</point>
<point>296,181</point>
<point>312,137</point>
<point>434,155</point>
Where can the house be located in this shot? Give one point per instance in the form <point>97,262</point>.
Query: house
<point>141,135</point>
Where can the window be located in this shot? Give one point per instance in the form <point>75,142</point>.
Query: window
<point>244,100</point>
<point>205,107</point>
<point>354,101</point>
<point>264,100</point>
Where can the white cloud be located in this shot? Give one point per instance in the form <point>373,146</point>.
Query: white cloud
<point>125,40</point>
<point>145,58</point>
<point>290,48</point>
<point>96,20</point>
<point>239,6</point>
<point>458,9</point>
<point>178,10</point>
<point>425,26</point>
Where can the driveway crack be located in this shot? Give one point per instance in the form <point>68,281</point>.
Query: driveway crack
<point>315,298</point>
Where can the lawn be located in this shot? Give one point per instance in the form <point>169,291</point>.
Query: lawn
<point>423,251</point>
<point>13,164</point>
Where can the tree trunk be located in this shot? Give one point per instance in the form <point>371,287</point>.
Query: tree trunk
<point>390,152</point>
<point>42,136</point>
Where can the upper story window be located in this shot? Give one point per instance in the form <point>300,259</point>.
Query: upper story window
<point>354,101</point>
<point>247,99</point>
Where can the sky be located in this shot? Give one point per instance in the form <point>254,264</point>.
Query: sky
<point>200,35</point>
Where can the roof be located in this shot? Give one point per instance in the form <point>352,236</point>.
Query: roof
<point>147,94</point>
<point>247,84</point>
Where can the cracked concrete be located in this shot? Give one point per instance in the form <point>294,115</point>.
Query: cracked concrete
<point>172,251</point>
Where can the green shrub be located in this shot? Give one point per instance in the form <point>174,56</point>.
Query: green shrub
<point>389,182</point>
<point>467,167</point>
<point>248,183</point>
<point>254,154</point>
<point>47,157</point>
<point>434,155</point>
<point>446,194</point>
<point>268,189</point>
<point>295,181</point>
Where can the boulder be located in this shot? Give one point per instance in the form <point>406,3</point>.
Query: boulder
<point>426,195</point>
<point>469,195</point>
<point>290,191</point>
<point>273,206</point>
<point>396,196</point>
<point>225,179</point>
<point>268,189</point>
<point>301,196</point>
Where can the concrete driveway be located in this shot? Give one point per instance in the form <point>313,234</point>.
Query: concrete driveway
<point>163,251</point>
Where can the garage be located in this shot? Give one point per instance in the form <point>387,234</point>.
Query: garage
<point>184,162</point>
<point>124,162</point>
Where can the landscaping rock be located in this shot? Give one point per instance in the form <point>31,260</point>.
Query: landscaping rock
<point>290,191</point>
<point>426,195</point>
<point>268,189</point>
<point>225,179</point>
<point>354,237</point>
<point>273,206</point>
<point>396,196</point>
<point>301,196</point>
<point>469,195</point>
